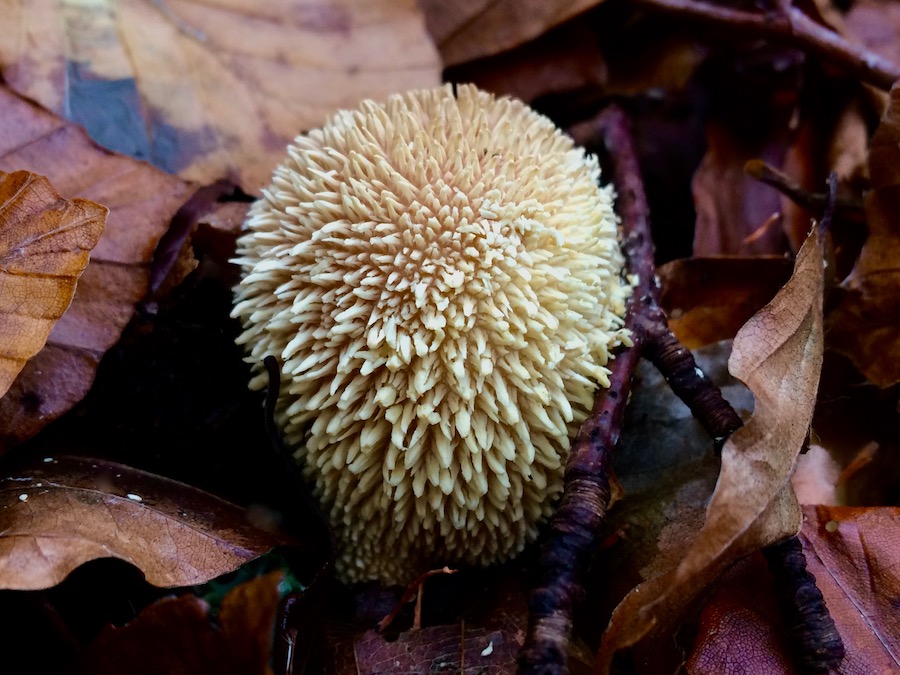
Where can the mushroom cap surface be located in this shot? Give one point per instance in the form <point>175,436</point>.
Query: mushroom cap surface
<point>440,278</point>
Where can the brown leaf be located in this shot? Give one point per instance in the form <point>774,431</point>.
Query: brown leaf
<point>178,635</point>
<point>565,59</point>
<point>141,201</point>
<point>709,299</point>
<point>865,324</point>
<point>876,25</point>
<point>45,245</point>
<point>740,627</point>
<point>465,30</point>
<point>211,90</point>
<point>853,553</point>
<point>440,648</point>
<point>733,209</point>
<point>778,355</point>
<point>64,511</point>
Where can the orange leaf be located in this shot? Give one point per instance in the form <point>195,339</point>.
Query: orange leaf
<point>709,299</point>
<point>141,202</point>
<point>778,355</point>
<point>213,89</point>
<point>45,243</point>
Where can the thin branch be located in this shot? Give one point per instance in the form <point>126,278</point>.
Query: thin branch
<point>816,201</point>
<point>792,27</point>
<point>415,588</point>
<point>573,529</point>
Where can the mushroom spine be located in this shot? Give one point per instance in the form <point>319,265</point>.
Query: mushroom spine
<point>440,278</point>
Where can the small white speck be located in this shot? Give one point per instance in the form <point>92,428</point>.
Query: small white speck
<point>699,373</point>
<point>47,460</point>
<point>118,475</point>
<point>133,497</point>
<point>39,485</point>
<point>487,651</point>
<point>23,497</point>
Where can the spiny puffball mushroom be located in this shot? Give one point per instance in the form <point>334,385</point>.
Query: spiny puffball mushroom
<point>440,278</point>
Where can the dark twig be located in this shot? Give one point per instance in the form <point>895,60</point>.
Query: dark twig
<point>816,644</point>
<point>415,588</point>
<point>790,26</point>
<point>848,207</point>
<point>573,530</point>
<point>687,380</point>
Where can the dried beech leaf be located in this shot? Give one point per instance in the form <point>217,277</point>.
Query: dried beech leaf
<point>865,324</point>
<point>439,648</point>
<point>854,554</point>
<point>778,355</point>
<point>709,299</point>
<point>876,25</point>
<point>62,512</point>
<point>469,29</point>
<point>741,630</point>
<point>212,89</point>
<point>141,202</point>
<point>565,59</point>
<point>45,243</point>
<point>734,211</point>
<point>238,640</point>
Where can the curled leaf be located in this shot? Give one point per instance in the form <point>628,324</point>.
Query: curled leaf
<point>141,202</point>
<point>61,512</point>
<point>778,355</point>
<point>45,243</point>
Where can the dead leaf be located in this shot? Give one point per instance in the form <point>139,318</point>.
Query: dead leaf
<point>709,299</point>
<point>440,648</point>
<point>61,512</point>
<point>865,326</point>
<point>45,245</point>
<point>565,59</point>
<point>876,25</point>
<point>182,634</point>
<point>778,355</point>
<point>141,201</point>
<point>741,624</point>
<point>465,30</point>
<point>181,83</point>
<point>852,552</point>
<point>741,630</point>
<point>731,206</point>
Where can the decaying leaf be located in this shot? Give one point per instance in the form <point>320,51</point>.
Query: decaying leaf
<point>181,634</point>
<point>141,202</point>
<point>740,629</point>
<point>854,553</point>
<point>565,59</point>
<point>469,29</point>
<point>865,324</point>
<point>180,84</point>
<point>709,299</point>
<point>61,512</point>
<point>778,355</point>
<point>735,213</point>
<point>45,243</point>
